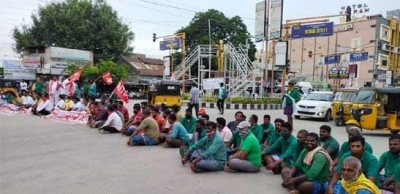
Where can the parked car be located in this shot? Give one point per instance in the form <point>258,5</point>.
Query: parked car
<point>134,95</point>
<point>315,105</point>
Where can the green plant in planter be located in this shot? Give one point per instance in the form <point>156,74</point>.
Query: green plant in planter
<point>185,96</point>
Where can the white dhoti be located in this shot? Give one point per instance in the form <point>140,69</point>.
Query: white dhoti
<point>54,97</point>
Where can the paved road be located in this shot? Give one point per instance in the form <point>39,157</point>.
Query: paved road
<point>42,156</point>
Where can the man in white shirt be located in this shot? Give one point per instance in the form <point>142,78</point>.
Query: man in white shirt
<point>45,107</point>
<point>64,87</point>
<point>28,101</point>
<point>223,131</point>
<point>113,123</point>
<point>78,106</point>
<point>54,90</point>
<point>23,86</point>
<point>61,103</point>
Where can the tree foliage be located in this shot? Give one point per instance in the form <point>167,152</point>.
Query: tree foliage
<point>77,24</point>
<point>117,71</point>
<point>222,28</point>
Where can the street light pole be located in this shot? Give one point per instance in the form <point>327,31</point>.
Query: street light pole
<point>209,52</point>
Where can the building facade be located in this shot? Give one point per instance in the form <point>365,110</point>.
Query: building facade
<point>54,60</point>
<point>362,35</point>
<point>395,14</point>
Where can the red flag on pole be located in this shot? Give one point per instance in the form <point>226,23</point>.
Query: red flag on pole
<point>75,76</point>
<point>107,78</point>
<point>121,92</point>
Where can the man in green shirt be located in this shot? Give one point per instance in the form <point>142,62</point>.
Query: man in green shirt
<point>268,127</point>
<point>86,90</point>
<point>388,161</point>
<point>282,152</point>
<point>328,142</point>
<point>199,133</point>
<point>397,178</point>
<point>248,158</point>
<point>38,86</point>
<point>291,97</point>
<point>345,147</point>
<point>369,163</point>
<point>301,144</point>
<point>189,121</point>
<point>208,154</point>
<point>310,173</point>
<point>274,134</point>
<point>255,128</point>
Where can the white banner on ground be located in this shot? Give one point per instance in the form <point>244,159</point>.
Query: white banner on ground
<point>69,116</point>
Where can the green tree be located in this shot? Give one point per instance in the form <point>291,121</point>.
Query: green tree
<point>77,24</point>
<point>117,71</point>
<point>222,28</point>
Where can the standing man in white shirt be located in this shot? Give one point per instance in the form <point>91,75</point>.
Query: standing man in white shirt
<point>45,107</point>
<point>194,99</point>
<point>113,123</point>
<point>64,88</point>
<point>54,89</point>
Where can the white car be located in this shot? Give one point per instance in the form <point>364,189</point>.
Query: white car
<point>315,105</point>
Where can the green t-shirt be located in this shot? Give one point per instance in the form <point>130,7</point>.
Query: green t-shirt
<point>397,174</point>
<point>319,168</point>
<point>332,144</point>
<point>39,87</point>
<point>86,88</point>
<point>213,147</point>
<point>294,94</point>
<point>236,141</point>
<point>389,161</point>
<point>273,135</point>
<point>267,127</point>
<point>346,148</point>
<point>369,165</point>
<point>251,145</point>
<point>286,149</point>
<point>258,131</point>
<point>189,124</point>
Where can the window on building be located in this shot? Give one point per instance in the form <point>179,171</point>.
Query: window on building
<point>383,61</point>
<point>385,33</point>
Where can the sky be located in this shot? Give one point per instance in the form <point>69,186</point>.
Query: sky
<point>165,17</point>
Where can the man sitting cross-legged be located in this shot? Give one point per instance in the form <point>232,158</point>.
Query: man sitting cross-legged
<point>248,157</point>
<point>147,133</point>
<point>282,152</point>
<point>178,135</point>
<point>208,154</point>
<point>310,174</point>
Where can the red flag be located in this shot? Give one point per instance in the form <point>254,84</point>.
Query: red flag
<point>121,92</point>
<point>107,78</point>
<point>75,76</point>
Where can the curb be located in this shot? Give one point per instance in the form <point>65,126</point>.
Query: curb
<point>229,106</point>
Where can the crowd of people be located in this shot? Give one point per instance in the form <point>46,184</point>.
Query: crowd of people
<point>307,163</point>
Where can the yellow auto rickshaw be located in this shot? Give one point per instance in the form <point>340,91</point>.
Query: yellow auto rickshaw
<point>376,109</point>
<point>164,91</point>
<point>341,105</point>
<point>9,91</point>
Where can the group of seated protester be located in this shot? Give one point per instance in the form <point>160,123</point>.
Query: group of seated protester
<point>40,104</point>
<point>308,163</point>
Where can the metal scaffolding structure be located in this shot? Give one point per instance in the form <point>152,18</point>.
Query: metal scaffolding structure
<point>239,71</point>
